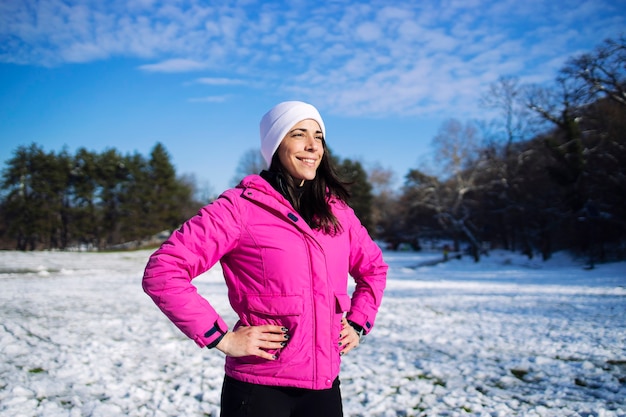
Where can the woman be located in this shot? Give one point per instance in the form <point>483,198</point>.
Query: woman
<point>287,241</point>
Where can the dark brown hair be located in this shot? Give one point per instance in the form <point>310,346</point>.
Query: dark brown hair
<point>311,200</point>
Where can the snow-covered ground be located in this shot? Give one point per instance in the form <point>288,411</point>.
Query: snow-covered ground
<point>504,337</point>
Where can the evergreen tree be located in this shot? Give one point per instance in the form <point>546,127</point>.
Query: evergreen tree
<point>19,204</point>
<point>137,206</point>
<point>360,190</point>
<point>112,173</point>
<point>36,204</point>
<point>168,195</point>
<point>85,192</point>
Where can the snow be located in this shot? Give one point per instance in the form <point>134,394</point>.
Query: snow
<point>504,337</point>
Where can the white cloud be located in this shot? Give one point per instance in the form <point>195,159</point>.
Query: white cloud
<point>83,52</point>
<point>209,99</point>
<point>219,81</point>
<point>368,32</point>
<point>174,65</point>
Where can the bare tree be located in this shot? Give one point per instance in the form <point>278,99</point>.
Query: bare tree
<point>583,110</point>
<point>456,149</point>
<point>384,213</point>
<point>603,70</point>
<point>381,179</point>
<point>251,162</point>
<point>449,198</point>
<point>512,123</point>
<point>504,164</point>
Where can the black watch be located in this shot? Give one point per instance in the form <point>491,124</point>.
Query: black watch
<point>358,329</point>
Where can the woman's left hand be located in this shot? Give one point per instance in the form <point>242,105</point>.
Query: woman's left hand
<point>348,338</point>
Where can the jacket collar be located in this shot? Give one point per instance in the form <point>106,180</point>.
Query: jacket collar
<point>255,188</point>
<point>257,183</point>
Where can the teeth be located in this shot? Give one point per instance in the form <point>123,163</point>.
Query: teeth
<point>309,161</point>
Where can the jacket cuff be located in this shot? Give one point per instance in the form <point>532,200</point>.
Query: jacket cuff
<point>360,319</point>
<point>215,334</point>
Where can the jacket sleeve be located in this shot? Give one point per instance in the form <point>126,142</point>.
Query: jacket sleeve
<point>369,271</point>
<point>190,251</point>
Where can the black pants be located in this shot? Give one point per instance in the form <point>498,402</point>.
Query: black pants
<point>241,399</point>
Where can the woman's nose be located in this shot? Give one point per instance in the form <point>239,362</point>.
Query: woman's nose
<point>312,144</point>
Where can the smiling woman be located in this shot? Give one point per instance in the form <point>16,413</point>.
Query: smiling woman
<point>287,242</point>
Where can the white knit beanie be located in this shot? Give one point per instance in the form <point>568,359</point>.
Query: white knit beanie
<point>277,122</point>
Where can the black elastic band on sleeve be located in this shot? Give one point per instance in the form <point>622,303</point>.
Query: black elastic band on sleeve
<point>216,341</point>
<point>211,332</point>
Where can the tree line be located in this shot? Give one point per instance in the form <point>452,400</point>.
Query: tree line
<point>95,200</point>
<point>546,172</point>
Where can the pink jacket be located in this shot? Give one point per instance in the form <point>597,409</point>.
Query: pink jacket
<point>278,271</point>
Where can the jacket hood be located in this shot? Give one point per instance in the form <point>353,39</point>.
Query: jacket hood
<point>256,182</point>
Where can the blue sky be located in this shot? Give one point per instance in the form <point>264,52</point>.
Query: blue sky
<point>198,75</point>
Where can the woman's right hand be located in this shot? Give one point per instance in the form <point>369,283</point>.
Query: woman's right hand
<point>254,341</point>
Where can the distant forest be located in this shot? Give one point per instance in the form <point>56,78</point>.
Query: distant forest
<point>546,172</point>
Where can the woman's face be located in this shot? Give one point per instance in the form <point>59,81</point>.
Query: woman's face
<point>302,149</point>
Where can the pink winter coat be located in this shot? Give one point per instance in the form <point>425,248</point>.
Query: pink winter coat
<point>278,271</point>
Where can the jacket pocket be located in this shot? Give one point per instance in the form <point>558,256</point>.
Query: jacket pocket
<point>272,305</point>
<point>280,310</point>
<point>343,303</point>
